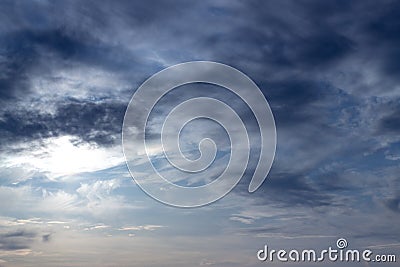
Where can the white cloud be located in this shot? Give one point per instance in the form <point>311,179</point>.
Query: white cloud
<point>97,227</point>
<point>242,219</point>
<point>79,82</point>
<point>148,227</point>
<point>61,156</point>
<point>98,189</point>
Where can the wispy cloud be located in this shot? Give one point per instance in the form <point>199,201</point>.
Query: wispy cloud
<point>141,227</point>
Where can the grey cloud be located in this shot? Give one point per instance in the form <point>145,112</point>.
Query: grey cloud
<point>29,53</point>
<point>290,190</point>
<point>393,204</point>
<point>96,122</point>
<point>390,124</point>
<point>383,31</point>
<point>16,240</point>
<point>46,238</point>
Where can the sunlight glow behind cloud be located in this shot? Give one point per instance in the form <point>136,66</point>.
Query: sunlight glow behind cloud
<point>65,155</point>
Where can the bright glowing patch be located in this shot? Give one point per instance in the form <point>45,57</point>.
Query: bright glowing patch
<point>66,155</point>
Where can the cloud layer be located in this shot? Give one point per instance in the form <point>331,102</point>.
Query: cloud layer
<point>68,69</point>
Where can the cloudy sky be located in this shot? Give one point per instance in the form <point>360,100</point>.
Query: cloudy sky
<point>69,68</point>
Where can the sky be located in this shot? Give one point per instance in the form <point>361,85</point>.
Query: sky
<point>68,70</point>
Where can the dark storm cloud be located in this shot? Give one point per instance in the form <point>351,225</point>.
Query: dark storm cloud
<point>309,109</point>
<point>72,35</point>
<point>29,53</point>
<point>323,48</point>
<point>390,122</point>
<point>16,59</point>
<point>282,36</point>
<point>306,114</point>
<point>384,33</point>
<point>292,100</point>
<point>93,122</point>
<point>393,204</point>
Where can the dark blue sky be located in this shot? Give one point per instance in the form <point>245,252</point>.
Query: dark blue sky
<point>329,70</point>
